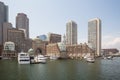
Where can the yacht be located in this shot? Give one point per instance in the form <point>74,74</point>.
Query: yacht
<point>91,60</point>
<point>39,59</point>
<point>53,57</point>
<point>110,57</point>
<point>23,58</point>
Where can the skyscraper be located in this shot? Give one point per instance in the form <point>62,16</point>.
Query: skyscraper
<point>22,23</point>
<point>6,26</point>
<point>3,18</point>
<point>94,35</point>
<point>71,33</point>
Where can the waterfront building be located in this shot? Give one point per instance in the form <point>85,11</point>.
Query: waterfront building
<point>18,37</point>
<point>94,35</point>
<point>22,23</point>
<point>64,51</point>
<point>52,49</point>
<point>56,49</point>
<point>54,38</point>
<point>39,46</point>
<point>71,33</point>
<point>62,48</point>
<point>3,18</point>
<point>9,50</point>
<point>9,46</point>
<point>6,26</point>
<point>110,51</point>
<point>78,51</point>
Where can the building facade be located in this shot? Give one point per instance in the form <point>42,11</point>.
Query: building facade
<point>18,37</point>
<point>54,38</point>
<point>9,46</point>
<point>3,18</point>
<point>6,26</point>
<point>110,51</point>
<point>79,50</point>
<point>39,46</point>
<point>71,33</point>
<point>1,47</point>
<point>65,51</point>
<point>94,35</point>
<point>52,49</point>
<point>22,23</point>
<point>9,50</point>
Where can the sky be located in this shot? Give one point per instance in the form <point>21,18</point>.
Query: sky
<point>52,15</point>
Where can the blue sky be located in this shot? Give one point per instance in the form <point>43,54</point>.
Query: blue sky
<point>51,16</point>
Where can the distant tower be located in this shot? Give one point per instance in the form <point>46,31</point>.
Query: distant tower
<point>22,22</point>
<point>71,33</point>
<point>64,39</point>
<point>94,35</point>
<point>3,18</point>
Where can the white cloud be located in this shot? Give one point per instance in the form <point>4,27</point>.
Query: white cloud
<point>111,42</point>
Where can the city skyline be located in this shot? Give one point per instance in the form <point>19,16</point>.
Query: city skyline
<point>51,16</point>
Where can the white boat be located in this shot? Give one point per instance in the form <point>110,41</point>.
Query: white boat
<point>53,57</point>
<point>40,59</point>
<point>91,60</point>
<point>23,58</point>
<point>110,57</point>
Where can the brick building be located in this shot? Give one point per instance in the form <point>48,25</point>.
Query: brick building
<point>110,51</point>
<point>54,38</point>
<point>78,50</point>
<point>52,49</point>
<point>39,46</point>
<point>18,37</point>
<point>74,51</point>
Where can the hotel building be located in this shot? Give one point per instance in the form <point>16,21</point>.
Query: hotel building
<point>94,35</point>
<point>71,33</point>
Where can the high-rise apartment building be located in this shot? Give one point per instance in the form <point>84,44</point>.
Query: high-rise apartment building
<point>18,37</point>
<point>22,23</point>
<point>3,18</point>
<point>94,35</point>
<point>6,26</point>
<point>71,33</point>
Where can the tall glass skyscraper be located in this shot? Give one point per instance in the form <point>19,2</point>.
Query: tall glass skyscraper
<point>22,22</point>
<point>94,35</point>
<point>3,18</point>
<point>71,33</point>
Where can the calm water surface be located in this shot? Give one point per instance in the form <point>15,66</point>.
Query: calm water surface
<point>61,70</point>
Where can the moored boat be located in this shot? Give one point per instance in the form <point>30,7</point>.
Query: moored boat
<point>23,58</point>
<point>53,57</point>
<point>40,59</point>
<point>91,60</point>
<point>109,57</point>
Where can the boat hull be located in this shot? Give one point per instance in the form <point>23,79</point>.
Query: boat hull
<point>24,62</point>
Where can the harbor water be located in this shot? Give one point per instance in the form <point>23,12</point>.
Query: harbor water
<point>61,70</point>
